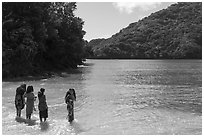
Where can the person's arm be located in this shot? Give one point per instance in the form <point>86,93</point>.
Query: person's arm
<point>15,101</point>
<point>25,95</point>
<point>34,97</point>
<point>74,95</point>
<point>65,98</point>
<point>23,99</point>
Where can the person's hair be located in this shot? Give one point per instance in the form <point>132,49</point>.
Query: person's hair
<point>72,93</point>
<point>39,94</point>
<point>71,89</point>
<point>29,89</point>
<point>42,90</point>
<point>20,91</point>
<point>23,86</point>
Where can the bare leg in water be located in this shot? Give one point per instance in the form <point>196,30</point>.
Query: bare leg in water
<point>28,116</point>
<point>40,119</point>
<point>17,112</point>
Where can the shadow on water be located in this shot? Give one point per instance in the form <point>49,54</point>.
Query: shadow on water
<point>30,122</point>
<point>44,126</point>
<point>76,127</point>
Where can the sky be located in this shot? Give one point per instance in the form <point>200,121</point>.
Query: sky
<point>104,19</point>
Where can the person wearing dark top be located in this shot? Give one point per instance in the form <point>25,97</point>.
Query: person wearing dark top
<point>42,106</point>
<point>19,99</point>
<point>70,97</point>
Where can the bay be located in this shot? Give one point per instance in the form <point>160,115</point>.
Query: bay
<point>116,97</point>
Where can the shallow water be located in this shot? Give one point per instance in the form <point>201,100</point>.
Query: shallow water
<point>116,97</point>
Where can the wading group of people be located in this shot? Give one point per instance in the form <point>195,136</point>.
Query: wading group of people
<point>25,96</point>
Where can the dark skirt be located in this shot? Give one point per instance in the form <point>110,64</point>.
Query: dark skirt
<point>70,108</point>
<point>43,114</point>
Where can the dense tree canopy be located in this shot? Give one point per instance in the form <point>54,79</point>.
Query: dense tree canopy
<point>175,32</point>
<point>40,36</point>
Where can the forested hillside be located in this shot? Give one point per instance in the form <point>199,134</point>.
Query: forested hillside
<point>39,37</point>
<point>175,32</point>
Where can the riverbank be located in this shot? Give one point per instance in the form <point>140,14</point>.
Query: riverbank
<point>43,75</point>
<point>46,74</point>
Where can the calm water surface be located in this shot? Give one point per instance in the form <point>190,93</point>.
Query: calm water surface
<point>116,97</point>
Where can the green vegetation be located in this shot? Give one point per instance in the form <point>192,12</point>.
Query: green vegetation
<point>39,37</point>
<point>172,33</point>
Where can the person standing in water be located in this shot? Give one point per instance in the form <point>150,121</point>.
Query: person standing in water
<point>42,106</point>
<point>70,97</point>
<point>29,102</point>
<point>19,99</point>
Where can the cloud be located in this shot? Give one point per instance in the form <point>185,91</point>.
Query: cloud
<point>128,7</point>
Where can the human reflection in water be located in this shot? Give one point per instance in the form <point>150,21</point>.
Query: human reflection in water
<point>44,126</point>
<point>26,121</point>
